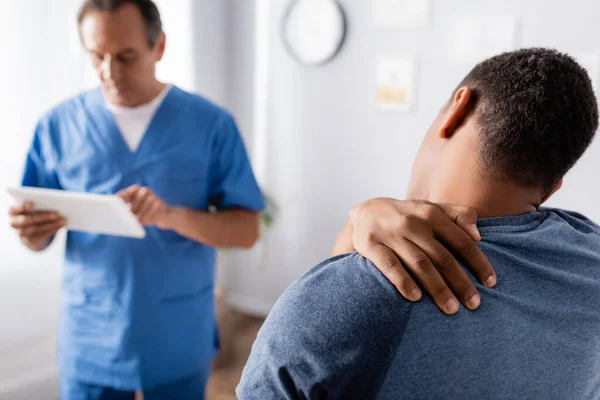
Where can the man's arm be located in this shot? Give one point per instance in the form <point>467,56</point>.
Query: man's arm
<point>331,335</point>
<point>226,228</point>
<point>221,229</point>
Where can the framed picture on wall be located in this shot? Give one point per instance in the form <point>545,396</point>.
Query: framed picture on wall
<point>395,82</point>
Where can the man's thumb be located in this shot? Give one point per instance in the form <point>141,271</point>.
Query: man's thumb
<point>465,217</point>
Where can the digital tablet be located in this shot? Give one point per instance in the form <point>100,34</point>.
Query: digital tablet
<point>86,212</point>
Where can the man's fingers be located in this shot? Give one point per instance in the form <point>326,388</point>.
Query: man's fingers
<point>450,270</point>
<point>466,249</point>
<point>20,209</point>
<point>146,215</point>
<point>419,264</point>
<point>465,217</point>
<point>49,231</point>
<point>142,200</point>
<point>136,200</point>
<point>388,263</point>
<point>42,231</point>
<point>23,221</point>
<point>40,239</point>
<point>144,203</point>
<point>13,211</point>
<point>127,193</point>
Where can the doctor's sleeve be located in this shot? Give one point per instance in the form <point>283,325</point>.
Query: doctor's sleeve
<point>39,169</point>
<point>232,182</point>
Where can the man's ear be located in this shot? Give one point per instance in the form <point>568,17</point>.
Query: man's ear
<point>161,44</point>
<point>457,112</point>
<point>554,189</point>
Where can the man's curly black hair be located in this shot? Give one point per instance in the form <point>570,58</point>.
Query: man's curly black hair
<point>537,114</point>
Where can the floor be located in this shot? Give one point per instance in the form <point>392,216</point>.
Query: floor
<point>237,333</point>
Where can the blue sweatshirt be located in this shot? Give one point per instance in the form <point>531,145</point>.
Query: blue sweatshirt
<point>342,331</point>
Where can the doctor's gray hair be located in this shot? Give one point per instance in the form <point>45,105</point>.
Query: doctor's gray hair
<point>148,9</point>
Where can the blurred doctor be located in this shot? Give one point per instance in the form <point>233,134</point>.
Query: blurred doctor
<point>139,314</point>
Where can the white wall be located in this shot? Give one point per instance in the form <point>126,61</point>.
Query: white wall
<point>210,48</point>
<point>36,73</point>
<point>31,85</point>
<point>330,149</point>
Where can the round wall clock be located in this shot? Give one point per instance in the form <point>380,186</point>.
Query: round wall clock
<point>314,30</point>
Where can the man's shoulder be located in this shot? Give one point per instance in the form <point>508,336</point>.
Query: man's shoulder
<point>350,274</point>
<point>574,219</point>
<point>200,105</point>
<point>70,106</point>
<point>345,300</point>
<point>53,119</point>
<point>332,333</point>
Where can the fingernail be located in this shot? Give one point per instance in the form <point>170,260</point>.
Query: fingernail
<point>415,294</point>
<point>452,306</point>
<point>475,231</point>
<point>474,301</point>
<point>491,281</point>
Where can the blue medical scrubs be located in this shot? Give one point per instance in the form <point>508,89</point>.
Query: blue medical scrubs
<point>140,313</point>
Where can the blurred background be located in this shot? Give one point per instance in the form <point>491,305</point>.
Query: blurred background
<point>321,138</point>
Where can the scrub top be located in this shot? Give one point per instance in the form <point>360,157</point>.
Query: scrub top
<point>140,313</point>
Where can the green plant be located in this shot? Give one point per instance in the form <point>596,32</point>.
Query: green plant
<point>268,218</point>
<point>269,215</point>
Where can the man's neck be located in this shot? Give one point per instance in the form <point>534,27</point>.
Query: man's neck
<point>156,89</point>
<point>153,91</point>
<point>489,198</point>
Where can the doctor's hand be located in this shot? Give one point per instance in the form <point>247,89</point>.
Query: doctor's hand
<point>413,240</point>
<point>146,206</point>
<point>36,229</point>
